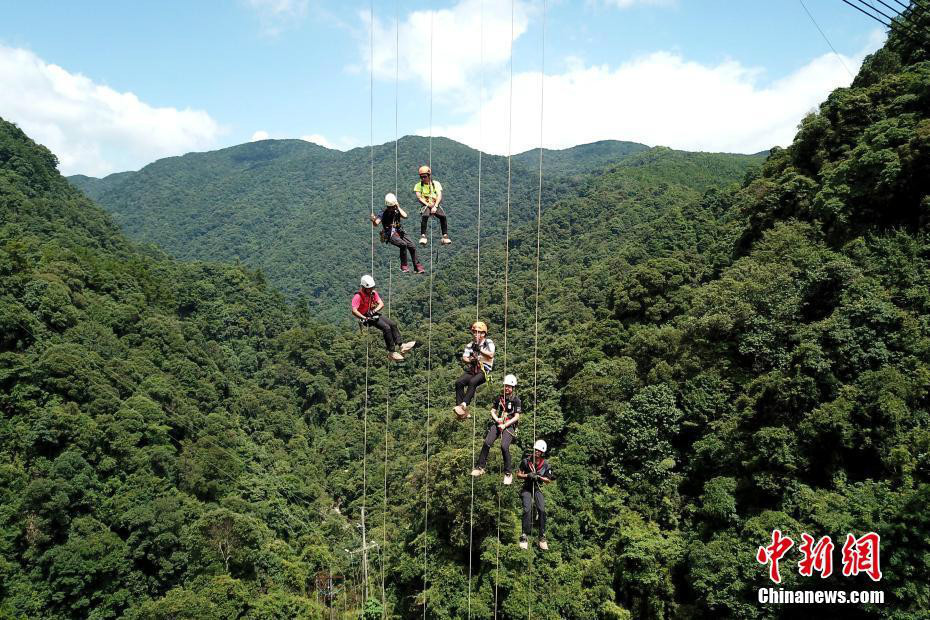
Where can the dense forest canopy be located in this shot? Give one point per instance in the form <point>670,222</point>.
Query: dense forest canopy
<point>717,360</point>
<point>299,212</point>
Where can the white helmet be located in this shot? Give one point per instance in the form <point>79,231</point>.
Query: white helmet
<point>510,380</point>
<point>540,445</point>
<point>368,281</point>
<point>390,200</point>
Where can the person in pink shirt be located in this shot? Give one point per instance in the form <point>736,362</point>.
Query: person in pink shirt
<point>366,307</point>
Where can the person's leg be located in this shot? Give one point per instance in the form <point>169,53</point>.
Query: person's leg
<point>412,248</point>
<point>506,438</point>
<point>527,497</point>
<point>443,224</point>
<point>395,333</point>
<point>460,388</point>
<point>488,442</point>
<point>541,509</point>
<point>473,383</point>
<point>423,220</point>
<point>403,253</point>
<point>385,328</point>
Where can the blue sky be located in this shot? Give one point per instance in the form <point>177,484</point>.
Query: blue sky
<point>111,86</point>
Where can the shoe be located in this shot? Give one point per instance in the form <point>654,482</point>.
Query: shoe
<point>459,412</point>
<point>418,268</point>
<point>405,268</point>
<point>446,240</point>
<point>508,479</point>
<point>407,346</point>
<point>478,471</point>
<point>543,544</point>
<point>422,239</point>
<point>395,356</point>
<point>523,542</point>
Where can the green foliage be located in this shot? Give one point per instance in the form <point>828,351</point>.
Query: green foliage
<point>715,360</point>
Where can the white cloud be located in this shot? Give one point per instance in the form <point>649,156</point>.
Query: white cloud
<point>94,129</point>
<point>278,15</point>
<point>625,4</point>
<point>261,134</point>
<point>457,43</point>
<point>318,139</point>
<point>657,99</point>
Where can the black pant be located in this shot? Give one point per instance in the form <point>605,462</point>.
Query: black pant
<point>527,496</point>
<point>389,329</point>
<point>466,385</point>
<point>492,435</point>
<point>401,240</point>
<point>439,215</point>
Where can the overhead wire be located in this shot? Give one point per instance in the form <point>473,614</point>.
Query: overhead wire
<point>893,25</point>
<point>823,34</point>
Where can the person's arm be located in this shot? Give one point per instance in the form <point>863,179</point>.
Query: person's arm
<point>494,416</point>
<point>375,220</point>
<point>438,195</point>
<point>512,421</point>
<point>379,306</point>
<point>466,355</point>
<point>355,304</point>
<point>403,214</point>
<point>548,475</point>
<point>423,202</point>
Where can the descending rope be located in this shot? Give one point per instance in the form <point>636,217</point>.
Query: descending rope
<point>506,287</point>
<point>542,99</point>
<point>387,400</point>
<point>371,129</point>
<point>429,335</point>
<point>471,509</point>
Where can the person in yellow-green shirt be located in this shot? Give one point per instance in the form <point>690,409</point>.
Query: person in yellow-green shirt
<point>429,193</point>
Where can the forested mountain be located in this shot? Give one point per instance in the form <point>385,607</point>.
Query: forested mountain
<point>714,362</point>
<point>299,211</point>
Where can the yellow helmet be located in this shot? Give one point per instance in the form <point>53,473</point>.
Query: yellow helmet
<point>424,170</point>
<point>479,326</point>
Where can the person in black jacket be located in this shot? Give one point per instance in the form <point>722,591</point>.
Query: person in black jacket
<point>505,413</point>
<point>393,232</point>
<point>535,472</point>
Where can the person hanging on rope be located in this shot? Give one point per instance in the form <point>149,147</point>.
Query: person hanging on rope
<point>505,413</point>
<point>429,193</point>
<point>478,357</point>
<point>535,472</point>
<point>393,232</point>
<point>366,307</point>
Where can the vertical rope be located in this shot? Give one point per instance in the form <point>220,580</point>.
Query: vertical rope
<point>371,142</point>
<point>506,284</point>
<point>429,336</point>
<point>474,423</point>
<point>387,400</point>
<point>542,98</point>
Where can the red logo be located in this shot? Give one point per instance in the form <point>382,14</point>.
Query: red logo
<point>860,555</point>
<point>817,557</point>
<point>773,553</point>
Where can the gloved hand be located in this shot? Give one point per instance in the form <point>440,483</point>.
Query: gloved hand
<point>533,476</point>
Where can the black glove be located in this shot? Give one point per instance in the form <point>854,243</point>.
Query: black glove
<point>533,476</point>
